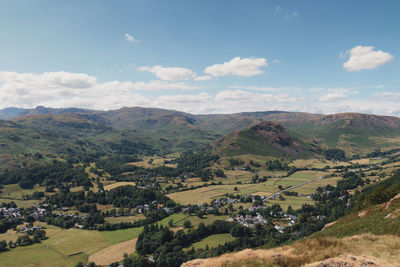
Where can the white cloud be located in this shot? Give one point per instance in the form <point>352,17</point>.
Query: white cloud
<point>333,96</point>
<point>238,66</point>
<point>169,73</point>
<point>366,58</point>
<point>203,78</point>
<point>130,38</point>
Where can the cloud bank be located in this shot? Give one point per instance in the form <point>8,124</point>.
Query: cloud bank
<point>64,89</point>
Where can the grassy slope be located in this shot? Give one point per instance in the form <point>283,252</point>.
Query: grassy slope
<point>263,139</point>
<point>358,238</point>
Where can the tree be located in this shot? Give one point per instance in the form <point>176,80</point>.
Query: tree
<point>171,222</point>
<point>79,264</point>
<point>200,214</point>
<point>3,245</point>
<point>187,224</point>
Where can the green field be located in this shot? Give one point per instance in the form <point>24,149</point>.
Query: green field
<point>125,218</point>
<point>207,219</point>
<point>54,251</point>
<point>295,202</point>
<point>213,241</point>
<point>118,236</point>
<point>14,191</point>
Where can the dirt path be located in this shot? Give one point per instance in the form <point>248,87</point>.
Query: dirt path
<point>113,253</point>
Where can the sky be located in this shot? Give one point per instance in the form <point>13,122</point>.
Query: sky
<point>201,57</point>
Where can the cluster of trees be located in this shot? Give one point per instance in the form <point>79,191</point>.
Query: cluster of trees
<point>48,174</point>
<point>276,165</point>
<point>25,240</point>
<point>380,192</point>
<point>235,162</point>
<point>257,179</point>
<point>123,196</point>
<point>335,154</point>
<point>166,247</point>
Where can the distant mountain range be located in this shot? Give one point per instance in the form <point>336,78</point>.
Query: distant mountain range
<point>149,130</point>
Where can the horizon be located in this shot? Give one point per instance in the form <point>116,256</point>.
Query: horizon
<point>319,58</point>
<point>196,114</point>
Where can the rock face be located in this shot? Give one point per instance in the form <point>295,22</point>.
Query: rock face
<point>274,132</point>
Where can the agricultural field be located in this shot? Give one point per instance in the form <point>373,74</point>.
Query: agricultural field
<point>117,184</point>
<point>316,163</point>
<point>195,221</point>
<point>125,218</point>
<point>62,243</point>
<point>207,194</point>
<point>213,241</point>
<point>293,201</point>
<point>14,191</point>
<point>155,161</point>
<point>300,177</point>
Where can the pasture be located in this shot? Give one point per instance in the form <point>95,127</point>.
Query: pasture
<point>117,184</point>
<point>61,243</point>
<point>14,191</point>
<point>125,218</point>
<point>213,241</point>
<point>295,202</point>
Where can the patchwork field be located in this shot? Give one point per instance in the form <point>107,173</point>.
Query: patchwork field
<point>62,243</point>
<point>207,194</point>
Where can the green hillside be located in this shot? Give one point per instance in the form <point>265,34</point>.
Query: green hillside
<point>266,139</point>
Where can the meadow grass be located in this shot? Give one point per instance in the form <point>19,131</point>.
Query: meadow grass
<point>125,218</point>
<point>117,184</point>
<point>15,191</point>
<point>212,241</point>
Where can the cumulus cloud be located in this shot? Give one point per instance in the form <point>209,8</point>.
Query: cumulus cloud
<point>169,73</point>
<point>130,38</point>
<point>366,58</point>
<point>238,66</point>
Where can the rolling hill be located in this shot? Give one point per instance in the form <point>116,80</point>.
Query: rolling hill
<point>168,131</point>
<point>267,139</point>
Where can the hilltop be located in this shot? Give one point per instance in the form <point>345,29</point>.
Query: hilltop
<point>267,139</point>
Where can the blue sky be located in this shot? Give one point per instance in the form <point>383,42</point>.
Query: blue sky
<point>202,56</point>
